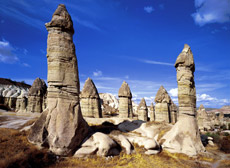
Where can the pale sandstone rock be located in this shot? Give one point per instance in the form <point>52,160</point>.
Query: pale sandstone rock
<point>61,125</point>
<point>152,112</point>
<point>142,110</point>
<point>36,96</point>
<point>125,101</point>
<point>184,136</point>
<point>98,143</point>
<point>162,107</point>
<point>90,100</point>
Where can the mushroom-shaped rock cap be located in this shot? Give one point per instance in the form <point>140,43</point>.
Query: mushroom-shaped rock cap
<point>142,105</point>
<point>185,58</point>
<point>162,96</point>
<point>124,90</point>
<point>38,88</point>
<point>89,90</point>
<point>61,19</point>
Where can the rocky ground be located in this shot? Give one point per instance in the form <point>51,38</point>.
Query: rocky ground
<point>16,151</point>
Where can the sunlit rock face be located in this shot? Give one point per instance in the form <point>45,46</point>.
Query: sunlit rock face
<point>90,100</point>
<point>162,107</point>
<point>125,101</point>
<point>152,115</point>
<point>61,125</point>
<point>184,136</point>
<point>142,110</point>
<point>36,96</point>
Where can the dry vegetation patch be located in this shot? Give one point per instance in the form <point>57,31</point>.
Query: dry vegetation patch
<point>16,151</point>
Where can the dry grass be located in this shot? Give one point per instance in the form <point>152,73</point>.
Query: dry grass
<point>16,151</point>
<point>224,164</point>
<point>137,159</point>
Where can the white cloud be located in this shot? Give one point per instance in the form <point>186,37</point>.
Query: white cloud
<point>25,65</point>
<point>97,73</point>
<point>173,92</point>
<point>6,53</point>
<point>155,62</point>
<point>211,11</point>
<point>149,9</point>
<point>209,101</point>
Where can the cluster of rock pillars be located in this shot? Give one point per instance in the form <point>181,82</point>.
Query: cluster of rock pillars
<point>61,126</point>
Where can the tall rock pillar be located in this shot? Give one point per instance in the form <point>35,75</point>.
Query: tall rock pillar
<point>184,136</point>
<point>61,125</point>
<point>125,101</point>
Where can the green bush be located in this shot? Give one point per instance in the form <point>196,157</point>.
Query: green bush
<point>215,136</point>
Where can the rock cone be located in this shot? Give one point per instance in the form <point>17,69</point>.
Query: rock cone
<point>36,96</point>
<point>90,100</point>
<point>184,136</point>
<point>162,107</point>
<point>125,101</point>
<point>142,110</point>
<point>61,126</point>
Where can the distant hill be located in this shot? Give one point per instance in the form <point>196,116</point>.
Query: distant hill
<point>4,81</point>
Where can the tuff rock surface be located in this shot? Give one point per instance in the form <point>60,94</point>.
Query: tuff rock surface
<point>184,137</point>
<point>37,96</point>
<point>61,126</point>
<point>162,107</point>
<point>142,110</point>
<point>90,100</point>
<point>125,101</point>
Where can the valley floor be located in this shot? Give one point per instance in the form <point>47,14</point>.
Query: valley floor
<point>16,151</point>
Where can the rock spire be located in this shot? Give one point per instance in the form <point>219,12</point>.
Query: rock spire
<point>61,126</point>
<point>184,136</point>
<point>125,101</point>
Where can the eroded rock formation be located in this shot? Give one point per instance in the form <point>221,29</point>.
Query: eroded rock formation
<point>37,96</point>
<point>162,107</point>
<point>184,136</point>
<point>90,100</point>
<point>61,125</point>
<point>152,112</point>
<point>125,101</point>
<point>142,110</point>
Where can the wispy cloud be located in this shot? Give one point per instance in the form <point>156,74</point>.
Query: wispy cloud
<point>6,53</point>
<point>86,23</point>
<point>97,73</point>
<point>173,92</point>
<point>155,62</point>
<point>148,9</point>
<point>211,11</point>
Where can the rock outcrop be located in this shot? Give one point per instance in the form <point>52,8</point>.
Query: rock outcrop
<point>202,118</point>
<point>142,110</point>
<point>61,126</point>
<point>152,112</point>
<point>90,100</point>
<point>125,101</point>
<point>11,93</point>
<point>162,107</point>
<point>184,136</point>
<point>173,113</point>
<point>109,104</point>
<point>37,96</point>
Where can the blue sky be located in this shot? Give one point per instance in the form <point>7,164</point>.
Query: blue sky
<point>137,41</point>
